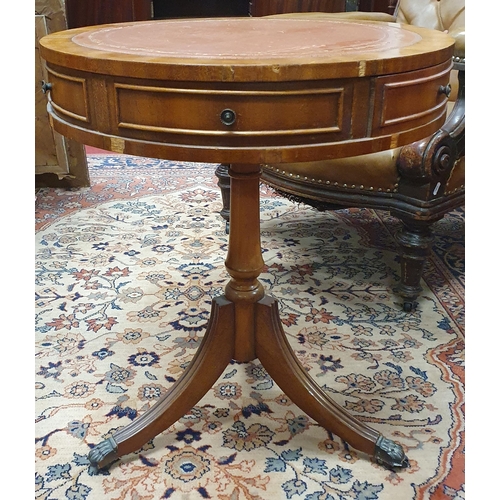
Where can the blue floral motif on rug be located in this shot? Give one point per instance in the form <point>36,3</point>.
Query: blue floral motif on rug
<point>125,274</point>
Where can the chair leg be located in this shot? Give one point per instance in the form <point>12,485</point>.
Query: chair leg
<point>415,240</point>
<point>222,173</point>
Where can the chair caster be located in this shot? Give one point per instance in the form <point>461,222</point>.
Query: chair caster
<point>227,227</point>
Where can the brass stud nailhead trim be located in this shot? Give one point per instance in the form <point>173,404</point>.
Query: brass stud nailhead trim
<point>345,185</point>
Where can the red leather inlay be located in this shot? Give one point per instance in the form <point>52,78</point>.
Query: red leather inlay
<point>248,38</point>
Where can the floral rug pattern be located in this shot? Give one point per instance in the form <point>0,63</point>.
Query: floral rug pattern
<point>125,274</point>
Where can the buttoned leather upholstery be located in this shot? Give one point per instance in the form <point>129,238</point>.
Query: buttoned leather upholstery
<point>442,15</point>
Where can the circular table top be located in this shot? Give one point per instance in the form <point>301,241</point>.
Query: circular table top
<point>247,49</point>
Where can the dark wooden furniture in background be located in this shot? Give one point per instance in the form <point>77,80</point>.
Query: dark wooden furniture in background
<point>91,12</point>
<point>388,6</point>
<point>259,8</point>
<point>231,99</point>
<point>164,9</point>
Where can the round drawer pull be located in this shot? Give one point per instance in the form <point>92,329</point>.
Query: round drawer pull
<point>46,86</point>
<point>228,117</point>
<point>446,90</point>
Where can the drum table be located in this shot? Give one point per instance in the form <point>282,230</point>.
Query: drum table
<point>247,91</point>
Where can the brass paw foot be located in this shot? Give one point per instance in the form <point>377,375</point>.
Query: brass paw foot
<point>103,453</point>
<point>390,454</point>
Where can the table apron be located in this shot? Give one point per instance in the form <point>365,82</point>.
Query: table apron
<point>258,122</point>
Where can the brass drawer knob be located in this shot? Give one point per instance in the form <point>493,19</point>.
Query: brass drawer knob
<point>228,117</point>
<point>46,86</point>
<point>446,90</point>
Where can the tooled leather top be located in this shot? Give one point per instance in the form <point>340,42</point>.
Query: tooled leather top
<point>243,38</point>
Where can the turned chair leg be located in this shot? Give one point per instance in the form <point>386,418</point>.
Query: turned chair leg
<point>222,173</point>
<point>415,240</point>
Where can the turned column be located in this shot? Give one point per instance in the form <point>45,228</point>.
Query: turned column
<point>244,260</point>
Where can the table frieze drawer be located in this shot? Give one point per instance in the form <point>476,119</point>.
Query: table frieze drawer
<point>286,116</point>
<point>69,96</point>
<point>410,100</point>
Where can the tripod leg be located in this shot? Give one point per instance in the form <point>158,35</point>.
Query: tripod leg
<point>210,361</point>
<point>279,360</point>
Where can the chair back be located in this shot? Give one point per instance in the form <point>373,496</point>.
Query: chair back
<point>442,15</point>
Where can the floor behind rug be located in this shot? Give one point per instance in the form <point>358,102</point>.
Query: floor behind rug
<point>126,271</point>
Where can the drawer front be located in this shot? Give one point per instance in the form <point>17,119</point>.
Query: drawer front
<point>235,117</point>
<point>69,96</point>
<point>409,100</point>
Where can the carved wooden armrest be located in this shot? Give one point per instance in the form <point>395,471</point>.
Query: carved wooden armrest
<point>435,156</point>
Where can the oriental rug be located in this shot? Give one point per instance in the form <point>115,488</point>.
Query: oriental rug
<point>125,274</point>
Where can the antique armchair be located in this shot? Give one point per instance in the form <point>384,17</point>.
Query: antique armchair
<point>418,183</point>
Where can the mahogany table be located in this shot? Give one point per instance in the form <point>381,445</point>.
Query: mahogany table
<point>247,91</point>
